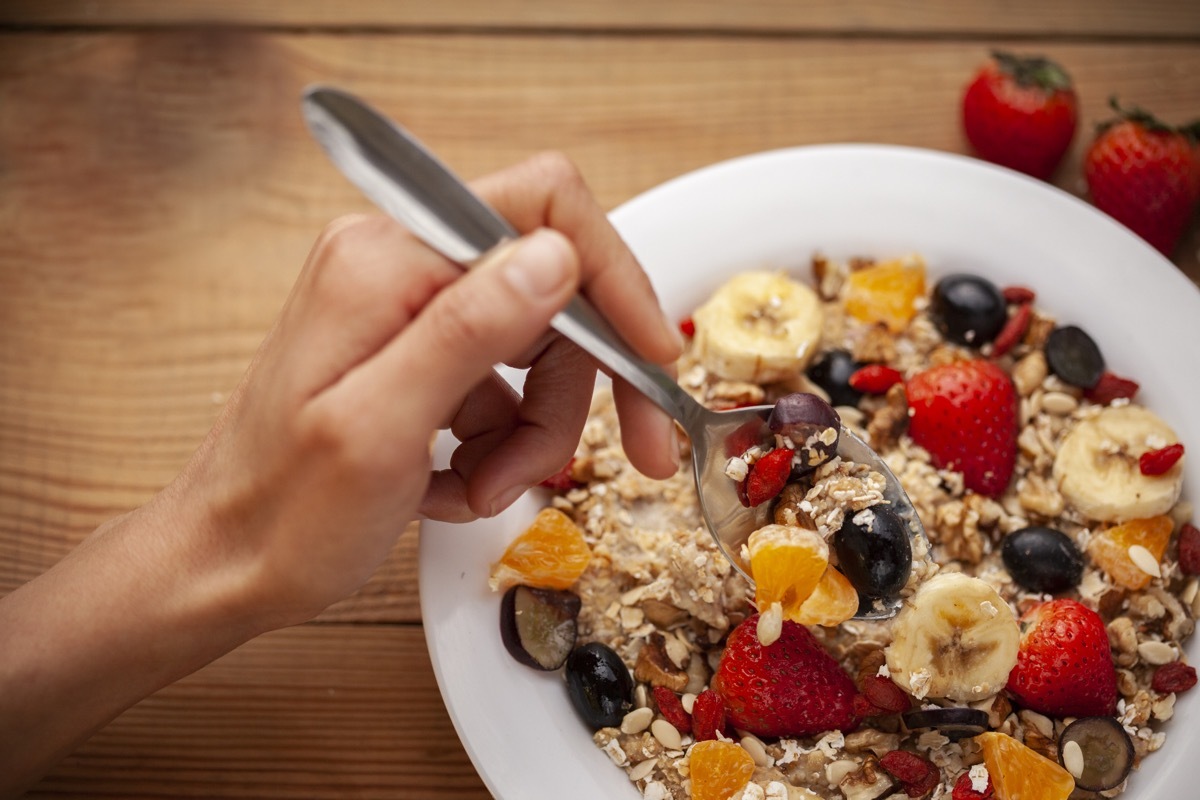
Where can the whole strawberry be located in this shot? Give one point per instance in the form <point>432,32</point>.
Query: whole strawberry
<point>1146,175</point>
<point>792,687</point>
<point>1021,113</point>
<point>965,414</point>
<point>1064,666</point>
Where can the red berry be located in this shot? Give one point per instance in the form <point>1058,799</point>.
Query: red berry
<point>1064,664</point>
<point>708,716</point>
<point>1111,387</point>
<point>885,695</point>
<point>671,709</point>
<point>1173,677</point>
<point>1021,113</point>
<point>687,327</point>
<point>1013,330</point>
<point>1189,549</point>
<point>1156,462</point>
<point>1018,294</point>
<point>768,476</point>
<point>875,379</point>
<point>963,790</point>
<point>917,775</point>
<point>562,481</point>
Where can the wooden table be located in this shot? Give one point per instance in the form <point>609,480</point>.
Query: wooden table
<point>158,194</point>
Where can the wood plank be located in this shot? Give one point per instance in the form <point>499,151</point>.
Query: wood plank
<point>1071,18</point>
<point>159,193</point>
<point>318,711</point>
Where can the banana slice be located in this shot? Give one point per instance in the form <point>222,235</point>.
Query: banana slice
<point>955,638</point>
<point>1097,466</point>
<point>758,327</point>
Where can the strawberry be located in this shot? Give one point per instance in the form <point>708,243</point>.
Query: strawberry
<point>965,414</point>
<point>768,476</point>
<point>1146,175</point>
<point>1021,113</point>
<point>1064,666</point>
<point>792,687</point>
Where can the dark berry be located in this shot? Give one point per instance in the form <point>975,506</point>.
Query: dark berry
<point>1189,549</point>
<point>811,424</point>
<point>968,309</point>
<point>1174,677</point>
<point>1074,356</point>
<point>832,373</point>
<point>873,551</point>
<point>954,723</point>
<point>599,685</point>
<point>1107,752</point>
<point>1042,560</point>
<point>537,626</point>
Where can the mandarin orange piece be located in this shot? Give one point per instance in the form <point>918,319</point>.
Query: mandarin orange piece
<point>550,554</point>
<point>1109,549</point>
<point>886,292</point>
<point>834,601</point>
<point>1019,773</point>
<point>786,563</point>
<point>718,769</point>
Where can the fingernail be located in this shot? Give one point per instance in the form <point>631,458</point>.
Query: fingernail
<point>537,267</point>
<point>505,499</point>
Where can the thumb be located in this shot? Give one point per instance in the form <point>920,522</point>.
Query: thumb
<point>492,314</point>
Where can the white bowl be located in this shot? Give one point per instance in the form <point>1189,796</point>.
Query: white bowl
<point>775,210</point>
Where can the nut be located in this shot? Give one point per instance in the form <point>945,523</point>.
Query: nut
<point>655,667</point>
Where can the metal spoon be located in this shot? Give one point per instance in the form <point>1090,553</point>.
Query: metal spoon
<point>408,182</point>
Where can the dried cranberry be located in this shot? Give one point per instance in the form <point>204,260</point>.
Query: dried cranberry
<point>875,379</point>
<point>885,695</point>
<point>1174,677</point>
<point>1189,549</point>
<point>708,716</point>
<point>671,709</point>
<point>1013,330</point>
<point>768,476</point>
<point>1018,294</point>
<point>1156,462</point>
<point>1111,387</point>
<point>963,790</point>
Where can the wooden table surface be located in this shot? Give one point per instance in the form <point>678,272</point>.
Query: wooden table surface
<point>158,194</point>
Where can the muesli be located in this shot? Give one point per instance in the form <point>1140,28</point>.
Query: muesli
<point>1041,639</point>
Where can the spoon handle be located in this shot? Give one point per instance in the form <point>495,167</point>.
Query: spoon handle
<point>402,177</point>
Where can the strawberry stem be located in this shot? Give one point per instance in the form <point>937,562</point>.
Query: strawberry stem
<point>1033,71</point>
<point>1142,117</point>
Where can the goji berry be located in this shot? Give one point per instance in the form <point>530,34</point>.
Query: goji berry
<point>768,476</point>
<point>1156,462</point>
<point>562,481</point>
<point>885,695</point>
<point>687,327</point>
<point>1018,294</point>
<point>1174,677</point>
<point>964,791</point>
<point>1111,387</point>
<point>1013,330</point>
<point>708,716</point>
<point>1189,549</point>
<point>917,775</point>
<point>874,379</point>
<point>671,709</point>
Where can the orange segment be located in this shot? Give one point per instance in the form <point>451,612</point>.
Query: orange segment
<point>1109,548</point>
<point>786,563</point>
<point>1019,773</point>
<point>718,769</point>
<point>886,292</point>
<point>834,601</point>
<point>550,554</point>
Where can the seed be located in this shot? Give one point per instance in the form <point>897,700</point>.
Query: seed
<point>756,750</point>
<point>1059,403</point>
<point>637,720</point>
<point>1157,653</point>
<point>643,769</point>
<point>688,701</point>
<point>770,625</point>
<point>666,734</point>
<point>1144,560</point>
<point>1073,758</point>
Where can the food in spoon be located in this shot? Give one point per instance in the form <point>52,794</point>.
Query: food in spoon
<point>874,552</point>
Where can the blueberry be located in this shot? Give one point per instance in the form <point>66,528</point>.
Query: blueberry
<point>1107,752</point>
<point>873,551</point>
<point>1074,356</point>
<point>832,373</point>
<point>968,309</point>
<point>1042,560</point>
<point>599,685</point>
<point>812,425</point>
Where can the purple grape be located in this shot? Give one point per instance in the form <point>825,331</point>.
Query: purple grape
<point>811,424</point>
<point>538,626</point>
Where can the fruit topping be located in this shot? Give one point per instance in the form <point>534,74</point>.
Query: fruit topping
<point>790,688</point>
<point>1131,552</point>
<point>687,327</point>
<point>968,309</point>
<point>1013,331</point>
<point>550,554</point>
<point>954,723</point>
<point>599,685</point>
<point>786,564</point>
<point>965,414</point>
<point>718,770</point>
<point>1097,466</point>
<point>537,626</point>
<point>1156,462</point>
<point>670,708</point>
<point>810,424</point>
<point>1018,294</point>
<point>1074,356</point>
<point>1111,387</point>
<point>916,775</point>
<point>886,292</point>
<point>832,373</point>
<point>1064,666</point>
<point>1189,549</point>
<point>708,716</point>
<point>834,601</point>
<point>1097,752</point>
<point>767,477</point>
<point>563,480</point>
<point>1174,677</point>
<point>758,327</point>
<point>1020,773</point>
<point>884,695</point>
<point>1042,560</point>
<point>874,551</point>
<point>875,379</point>
<point>955,638</point>
<point>964,787</point>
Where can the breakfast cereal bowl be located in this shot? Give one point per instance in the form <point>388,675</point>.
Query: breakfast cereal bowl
<point>776,211</point>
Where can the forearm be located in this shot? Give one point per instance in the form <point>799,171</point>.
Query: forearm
<point>114,621</point>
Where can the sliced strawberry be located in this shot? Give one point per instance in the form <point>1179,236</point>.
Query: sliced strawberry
<point>1064,664</point>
